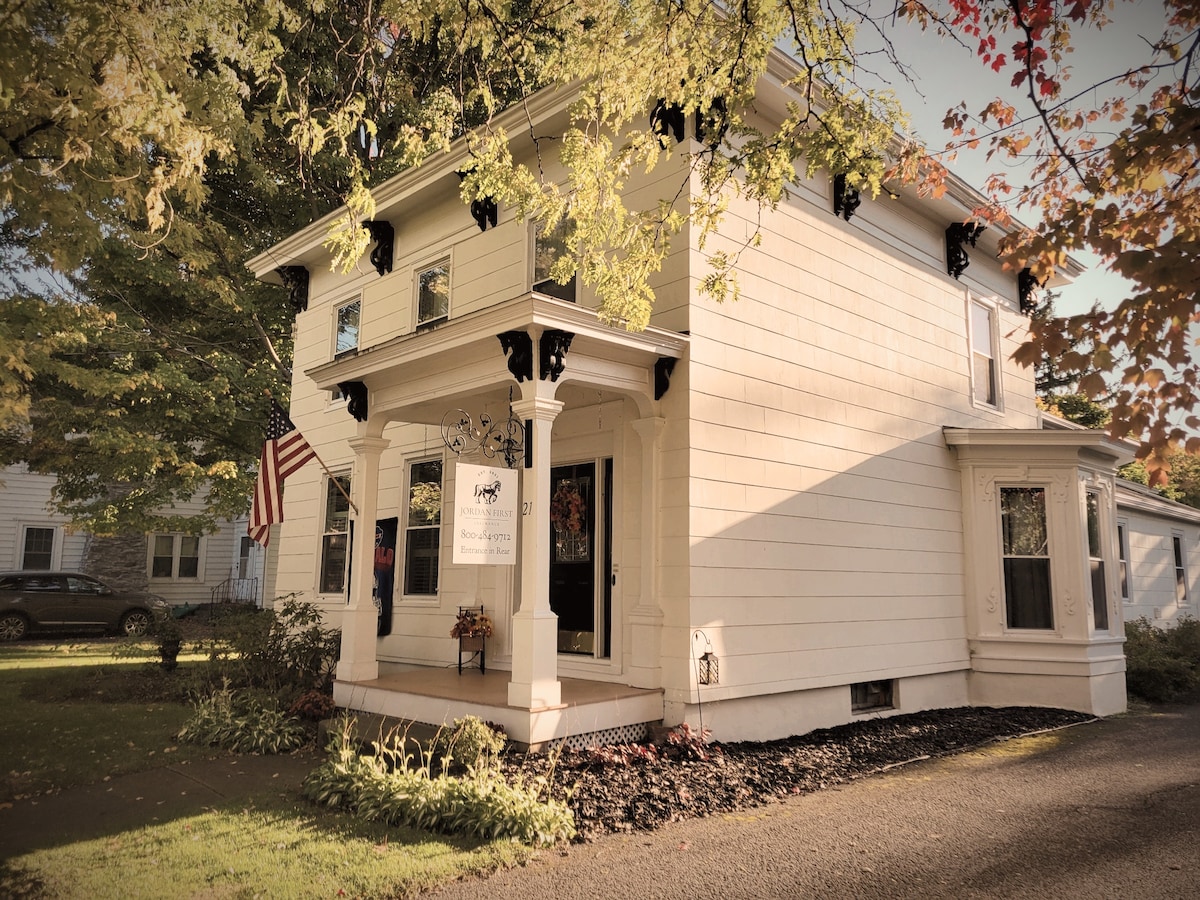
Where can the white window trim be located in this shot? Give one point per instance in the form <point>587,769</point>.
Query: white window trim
<point>322,532</point>
<point>535,229</point>
<point>401,583</point>
<point>337,307</point>
<point>992,305</point>
<point>201,553</point>
<point>55,551</point>
<point>418,270</point>
<point>1183,564</point>
<point>1124,563</point>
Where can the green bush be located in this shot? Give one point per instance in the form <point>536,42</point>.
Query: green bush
<point>471,743</point>
<point>391,787</point>
<point>1162,665</point>
<point>240,722</point>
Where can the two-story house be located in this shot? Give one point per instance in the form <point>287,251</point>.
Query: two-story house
<point>830,498</point>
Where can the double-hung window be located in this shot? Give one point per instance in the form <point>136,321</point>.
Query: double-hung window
<point>1123,554</point>
<point>37,548</point>
<point>175,556</point>
<point>985,376</point>
<point>1181,577</point>
<point>423,526</point>
<point>548,249</point>
<point>1096,562</point>
<point>1026,547</point>
<point>335,529</point>
<point>347,317</point>
<point>433,293</point>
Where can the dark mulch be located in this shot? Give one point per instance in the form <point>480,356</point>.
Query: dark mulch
<point>621,790</point>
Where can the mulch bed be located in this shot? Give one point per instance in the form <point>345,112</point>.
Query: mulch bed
<point>628,789</point>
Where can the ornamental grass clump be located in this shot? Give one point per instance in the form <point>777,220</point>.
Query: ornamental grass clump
<point>398,788</point>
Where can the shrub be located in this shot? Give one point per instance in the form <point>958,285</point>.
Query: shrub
<point>390,788</point>
<point>313,705</point>
<point>240,722</point>
<point>284,650</point>
<point>470,743</point>
<point>1162,665</point>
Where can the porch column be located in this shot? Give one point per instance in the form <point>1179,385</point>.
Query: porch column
<point>646,618</point>
<point>360,621</point>
<point>534,682</point>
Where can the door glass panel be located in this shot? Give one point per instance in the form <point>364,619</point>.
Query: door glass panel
<point>572,555</point>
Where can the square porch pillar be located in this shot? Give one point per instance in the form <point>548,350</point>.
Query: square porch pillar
<point>534,683</point>
<point>360,620</point>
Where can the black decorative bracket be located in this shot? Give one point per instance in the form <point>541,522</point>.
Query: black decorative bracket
<point>484,212</point>
<point>846,199</point>
<point>668,119</point>
<point>1027,287</point>
<point>663,367</point>
<point>957,234</point>
<point>384,236</point>
<point>518,347</point>
<point>355,393</point>
<point>295,279</point>
<point>553,347</point>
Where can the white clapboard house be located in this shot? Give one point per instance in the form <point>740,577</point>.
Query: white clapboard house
<point>831,498</point>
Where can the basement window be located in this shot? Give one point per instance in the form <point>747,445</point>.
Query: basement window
<point>871,695</point>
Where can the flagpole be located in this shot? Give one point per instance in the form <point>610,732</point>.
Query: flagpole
<point>334,479</point>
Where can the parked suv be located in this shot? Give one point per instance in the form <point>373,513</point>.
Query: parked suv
<point>36,601</point>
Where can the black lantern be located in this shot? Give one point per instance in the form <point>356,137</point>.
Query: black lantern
<point>710,668</point>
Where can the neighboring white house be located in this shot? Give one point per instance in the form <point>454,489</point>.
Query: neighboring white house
<point>225,565</point>
<point>837,487</point>
<point>1158,544</point>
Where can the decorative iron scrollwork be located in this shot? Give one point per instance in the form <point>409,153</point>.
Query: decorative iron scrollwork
<point>846,199</point>
<point>504,440</point>
<point>957,234</point>
<point>384,236</point>
<point>1027,288</point>
<point>355,393</point>
<point>295,280</point>
<point>663,367</point>
<point>518,347</point>
<point>553,346</point>
<point>484,212</point>
<point>668,119</point>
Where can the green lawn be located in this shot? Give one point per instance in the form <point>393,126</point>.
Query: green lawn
<point>75,714</point>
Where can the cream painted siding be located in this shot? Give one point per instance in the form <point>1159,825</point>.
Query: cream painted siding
<point>25,503</point>
<point>825,540</point>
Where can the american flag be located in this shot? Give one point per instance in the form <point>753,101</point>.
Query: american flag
<point>284,451</point>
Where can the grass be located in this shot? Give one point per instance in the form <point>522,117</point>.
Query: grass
<point>75,715</point>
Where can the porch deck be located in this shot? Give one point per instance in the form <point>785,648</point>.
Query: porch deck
<point>440,695</point>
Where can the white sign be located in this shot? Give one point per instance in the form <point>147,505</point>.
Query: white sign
<point>485,515</point>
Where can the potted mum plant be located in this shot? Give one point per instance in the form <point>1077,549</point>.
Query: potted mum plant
<point>472,628</point>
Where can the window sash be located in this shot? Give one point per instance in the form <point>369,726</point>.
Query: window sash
<point>1181,591</point>
<point>37,551</point>
<point>547,249</point>
<point>1123,559</point>
<point>1029,603</point>
<point>422,533</point>
<point>334,544</point>
<point>433,293</point>
<point>348,316</point>
<point>983,354</point>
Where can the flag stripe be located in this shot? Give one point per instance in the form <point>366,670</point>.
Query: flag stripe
<point>284,451</point>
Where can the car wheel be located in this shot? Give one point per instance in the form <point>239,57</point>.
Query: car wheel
<point>135,623</point>
<point>13,627</point>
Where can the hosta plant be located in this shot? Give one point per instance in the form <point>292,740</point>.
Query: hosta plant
<point>243,724</point>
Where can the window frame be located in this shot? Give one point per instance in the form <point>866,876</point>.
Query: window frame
<point>418,274</point>
<point>1048,557</point>
<point>991,309</point>
<point>1123,566</point>
<point>338,350</point>
<point>1094,528</point>
<point>554,289</point>
<point>176,558</point>
<point>409,530</point>
<point>1179,561</point>
<point>329,537</point>
<point>23,547</point>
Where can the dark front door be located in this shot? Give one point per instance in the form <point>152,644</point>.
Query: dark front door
<point>574,543</point>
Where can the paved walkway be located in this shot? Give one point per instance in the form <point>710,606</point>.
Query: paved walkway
<point>1104,810</point>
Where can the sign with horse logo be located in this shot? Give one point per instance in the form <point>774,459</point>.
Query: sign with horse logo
<point>485,515</point>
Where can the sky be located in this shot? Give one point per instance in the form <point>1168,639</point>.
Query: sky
<point>949,74</point>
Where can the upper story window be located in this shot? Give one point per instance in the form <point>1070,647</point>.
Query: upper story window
<point>433,293</point>
<point>548,249</point>
<point>175,556</point>
<point>985,376</point>
<point>346,337</point>
<point>1026,545</point>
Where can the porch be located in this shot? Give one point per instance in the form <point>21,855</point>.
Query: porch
<point>610,712</point>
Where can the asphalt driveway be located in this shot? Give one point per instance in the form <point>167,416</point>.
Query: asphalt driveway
<point>1108,809</point>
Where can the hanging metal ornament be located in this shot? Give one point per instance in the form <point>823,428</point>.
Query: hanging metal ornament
<point>504,440</point>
